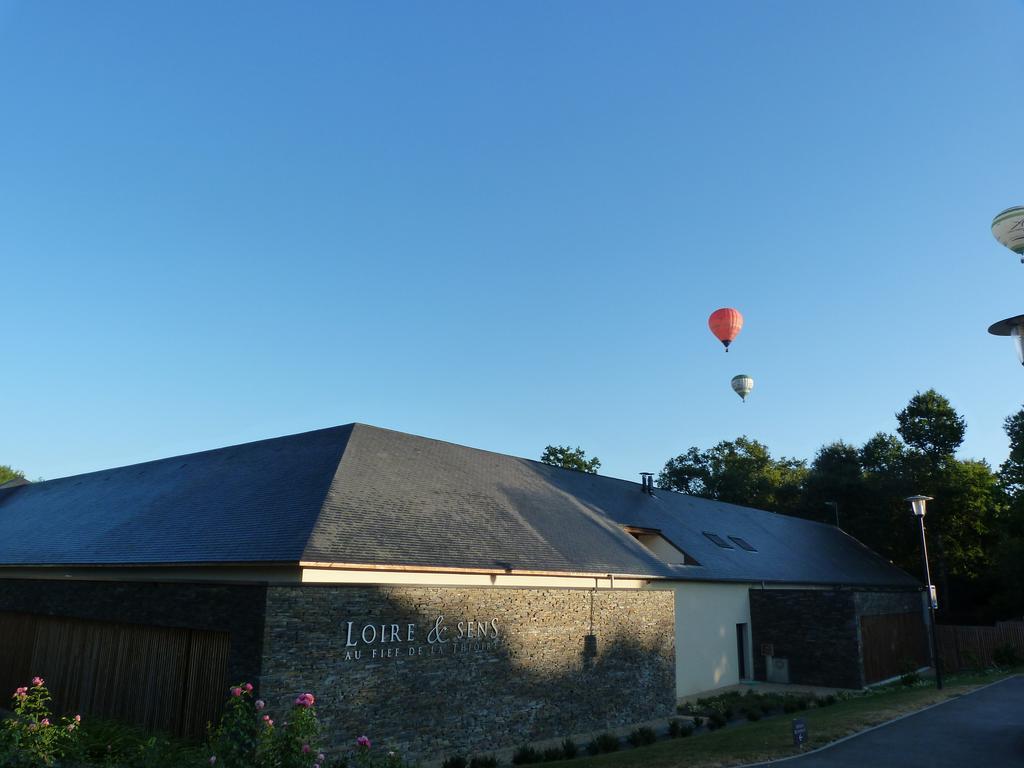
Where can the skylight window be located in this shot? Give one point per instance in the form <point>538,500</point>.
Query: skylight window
<point>743,544</point>
<point>718,540</point>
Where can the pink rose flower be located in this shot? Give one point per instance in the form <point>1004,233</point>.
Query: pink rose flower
<point>71,727</point>
<point>248,687</point>
<point>267,721</point>
<point>37,681</point>
<point>363,741</point>
<point>45,721</point>
<point>236,691</point>
<point>320,757</point>
<point>78,718</point>
<point>260,703</point>
<point>305,749</point>
<point>21,693</point>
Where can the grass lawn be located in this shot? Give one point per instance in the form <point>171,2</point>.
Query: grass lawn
<point>772,738</point>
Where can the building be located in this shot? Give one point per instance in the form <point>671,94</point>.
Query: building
<point>436,597</point>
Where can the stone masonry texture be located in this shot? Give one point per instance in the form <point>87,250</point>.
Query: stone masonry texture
<point>235,609</point>
<point>539,663</point>
<point>818,631</point>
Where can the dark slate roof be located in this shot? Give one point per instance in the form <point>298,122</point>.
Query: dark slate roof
<point>362,495</point>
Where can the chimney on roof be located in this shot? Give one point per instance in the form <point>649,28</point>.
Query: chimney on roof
<point>647,483</point>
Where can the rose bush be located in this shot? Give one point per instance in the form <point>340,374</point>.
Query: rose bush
<point>247,738</point>
<point>31,737</point>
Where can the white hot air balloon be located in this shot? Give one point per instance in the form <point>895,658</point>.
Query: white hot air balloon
<point>1008,229</point>
<point>742,385</point>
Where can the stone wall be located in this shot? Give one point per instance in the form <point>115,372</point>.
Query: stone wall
<point>535,663</point>
<point>818,631</point>
<point>236,609</point>
<point>879,603</point>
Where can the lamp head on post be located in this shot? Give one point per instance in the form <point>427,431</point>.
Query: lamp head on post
<point>919,504</point>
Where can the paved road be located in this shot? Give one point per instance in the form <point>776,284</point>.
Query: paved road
<point>982,730</point>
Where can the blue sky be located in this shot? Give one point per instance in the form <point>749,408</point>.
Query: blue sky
<point>502,225</point>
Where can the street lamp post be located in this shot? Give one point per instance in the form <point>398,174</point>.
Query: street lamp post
<point>919,505</point>
<point>835,508</point>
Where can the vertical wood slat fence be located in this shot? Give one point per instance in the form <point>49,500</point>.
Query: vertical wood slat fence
<point>891,642</point>
<point>158,677</point>
<point>962,647</point>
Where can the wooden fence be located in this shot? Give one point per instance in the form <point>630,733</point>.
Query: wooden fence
<point>892,642</point>
<point>157,677</point>
<point>971,647</point>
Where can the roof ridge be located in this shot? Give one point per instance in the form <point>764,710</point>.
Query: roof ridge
<point>498,453</point>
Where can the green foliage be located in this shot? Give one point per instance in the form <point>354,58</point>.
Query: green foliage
<point>930,425</point>
<point>698,721</point>
<point>247,737</point>
<point>969,661</point>
<point>1011,472</point>
<point>606,742</point>
<point>740,471</point>
<point>570,749</point>
<point>975,523</point>
<point>483,761</point>
<point>526,755</point>
<point>1006,655</point>
<point>835,476</point>
<point>31,736</point>
<point>570,458</point>
<point>455,761</point>
<point>112,743</point>
<point>9,473</point>
<point>717,720</point>
<point>678,729</point>
<point>553,753</point>
<point>909,677</point>
<point>642,736</point>
<point>753,714</point>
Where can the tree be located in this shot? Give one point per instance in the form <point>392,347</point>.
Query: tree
<point>740,471</point>
<point>1008,562</point>
<point>8,473</point>
<point>1011,472</point>
<point>967,499</point>
<point>570,458</point>
<point>834,477</point>
<point>885,523</point>
<point>932,426</point>
<point>883,454</point>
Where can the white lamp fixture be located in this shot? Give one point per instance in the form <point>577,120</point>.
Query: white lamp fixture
<point>1014,328</point>
<point>919,504</point>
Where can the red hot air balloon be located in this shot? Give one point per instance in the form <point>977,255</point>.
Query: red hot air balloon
<point>725,323</point>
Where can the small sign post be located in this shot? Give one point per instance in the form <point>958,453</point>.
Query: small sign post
<point>799,733</point>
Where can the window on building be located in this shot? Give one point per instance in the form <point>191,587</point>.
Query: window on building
<point>656,543</point>
<point>743,544</point>
<point>718,540</point>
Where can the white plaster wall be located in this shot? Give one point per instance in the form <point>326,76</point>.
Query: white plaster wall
<point>706,619</point>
